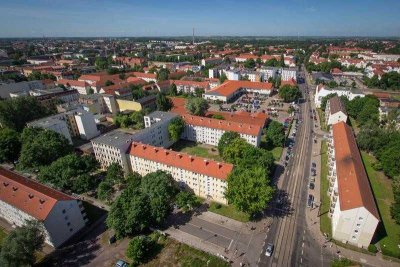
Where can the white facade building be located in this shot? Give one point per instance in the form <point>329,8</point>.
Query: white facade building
<point>322,91</point>
<point>354,214</point>
<point>335,111</point>
<point>206,178</point>
<point>288,74</point>
<point>22,199</point>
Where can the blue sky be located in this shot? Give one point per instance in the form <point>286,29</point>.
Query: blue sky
<point>58,18</point>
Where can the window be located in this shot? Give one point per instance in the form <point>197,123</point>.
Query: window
<point>63,211</point>
<point>70,229</point>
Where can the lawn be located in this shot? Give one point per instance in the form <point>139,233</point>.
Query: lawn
<point>325,221</point>
<point>383,193</point>
<point>229,211</point>
<point>276,151</point>
<point>321,115</point>
<point>173,253</point>
<point>196,149</point>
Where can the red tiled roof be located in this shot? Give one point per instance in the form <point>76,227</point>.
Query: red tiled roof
<point>224,125</point>
<point>290,82</point>
<point>72,83</point>
<point>145,75</point>
<point>353,184</point>
<point>28,195</point>
<point>229,87</point>
<point>181,160</point>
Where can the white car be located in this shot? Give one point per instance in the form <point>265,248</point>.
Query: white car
<point>269,250</point>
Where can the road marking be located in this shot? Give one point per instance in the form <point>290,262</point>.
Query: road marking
<point>301,260</point>
<point>302,252</point>
<point>302,245</point>
<point>230,244</point>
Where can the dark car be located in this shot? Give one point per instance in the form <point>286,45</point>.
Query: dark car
<point>311,185</point>
<point>314,165</point>
<point>310,201</point>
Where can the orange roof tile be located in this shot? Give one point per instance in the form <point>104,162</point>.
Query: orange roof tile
<point>243,128</point>
<point>28,195</point>
<point>353,184</point>
<point>229,87</point>
<point>72,82</point>
<point>181,160</point>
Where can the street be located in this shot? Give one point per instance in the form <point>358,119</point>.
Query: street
<point>293,245</point>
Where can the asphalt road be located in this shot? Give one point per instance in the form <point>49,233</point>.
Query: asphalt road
<point>293,246</point>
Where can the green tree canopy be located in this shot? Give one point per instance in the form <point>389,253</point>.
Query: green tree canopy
<point>162,74</point>
<point>249,190</point>
<point>173,91</point>
<point>160,189</point>
<point>10,145</point>
<point>249,63</point>
<point>186,200</point>
<point>289,93</point>
<point>197,106</point>
<point>105,191</point>
<point>163,103</point>
<point>115,173</point>
<point>41,147</point>
<point>138,249</point>
<point>275,133</point>
<point>16,112</point>
<point>70,172</point>
<point>222,78</point>
<point>225,140</point>
<point>20,245</point>
<point>175,128</point>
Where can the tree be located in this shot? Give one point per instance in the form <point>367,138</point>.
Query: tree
<point>197,106</point>
<point>175,128</point>
<point>325,99</point>
<point>390,159</point>
<point>186,200</point>
<point>289,93</point>
<point>198,92</point>
<point>233,152</point>
<point>20,245</point>
<point>70,172</point>
<point>129,213</point>
<point>105,190</point>
<point>41,147</point>
<point>10,145</point>
<point>173,91</point>
<point>218,117</point>
<point>395,208</point>
<point>16,112</point>
<point>163,103</point>
<point>138,249</point>
<point>159,187</point>
<point>115,174</point>
<point>249,190</point>
<point>275,133</point>
<point>249,63</point>
<point>225,140</point>
<point>222,78</point>
<point>162,74</point>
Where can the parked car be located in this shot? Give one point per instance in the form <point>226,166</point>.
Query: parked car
<point>311,185</point>
<point>121,263</point>
<point>310,201</point>
<point>269,250</point>
<point>314,165</point>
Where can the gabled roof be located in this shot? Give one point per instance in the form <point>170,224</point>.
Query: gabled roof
<point>28,195</point>
<point>181,160</point>
<point>336,105</point>
<point>353,184</point>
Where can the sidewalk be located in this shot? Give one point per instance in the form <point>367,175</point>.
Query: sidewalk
<point>313,220</point>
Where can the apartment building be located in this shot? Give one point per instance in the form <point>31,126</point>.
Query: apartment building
<point>81,86</point>
<point>267,73</point>
<point>21,87</point>
<point>74,123</point>
<point>209,131</point>
<point>231,90</point>
<point>288,74</point>
<point>112,148</point>
<point>23,199</point>
<point>206,178</point>
<point>211,61</point>
<point>335,111</point>
<point>190,86</point>
<point>322,91</point>
<point>353,210</point>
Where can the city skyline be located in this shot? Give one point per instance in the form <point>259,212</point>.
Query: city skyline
<point>228,18</point>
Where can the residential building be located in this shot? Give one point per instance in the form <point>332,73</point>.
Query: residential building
<point>50,100</point>
<point>335,111</point>
<point>21,87</point>
<point>112,148</point>
<point>205,177</point>
<point>81,86</point>
<point>23,199</point>
<point>74,123</point>
<point>354,214</point>
<point>322,91</point>
<point>231,90</point>
<point>209,131</point>
<point>190,86</point>
<point>288,74</point>
<point>211,61</point>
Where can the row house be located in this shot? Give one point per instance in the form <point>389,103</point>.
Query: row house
<point>335,111</point>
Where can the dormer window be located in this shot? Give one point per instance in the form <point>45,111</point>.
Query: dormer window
<point>30,196</point>
<point>5,184</point>
<point>15,188</point>
<point>41,201</point>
